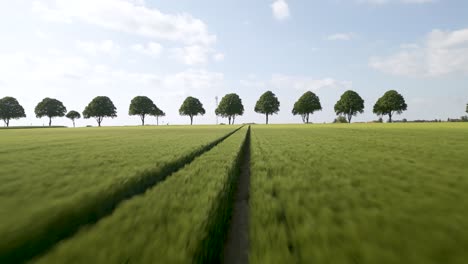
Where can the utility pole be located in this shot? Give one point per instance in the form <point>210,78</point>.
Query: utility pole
<point>216,98</point>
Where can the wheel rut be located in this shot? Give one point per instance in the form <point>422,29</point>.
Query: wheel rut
<point>236,247</point>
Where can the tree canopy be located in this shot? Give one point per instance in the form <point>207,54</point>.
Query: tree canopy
<point>51,108</point>
<point>307,104</point>
<point>157,113</point>
<point>230,106</point>
<point>10,109</point>
<point>267,104</point>
<point>99,108</point>
<point>390,103</point>
<point>349,105</point>
<point>191,107</point>
<point>142,106</point>
<point>73,115</point>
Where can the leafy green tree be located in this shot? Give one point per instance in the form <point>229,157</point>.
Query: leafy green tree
<point>142,106</point>
<point>51,108</point>
<point>307,104</point>
<point>267,104</point>
<point>191,107</point>
<point>99,108</point>
<point>73,115</point>
<point>349,105</point>
<point>230,106</point>
<point>157,113</point>
<point>390,103</point>
<point>10,109</point>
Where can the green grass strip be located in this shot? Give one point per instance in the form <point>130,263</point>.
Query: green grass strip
<point>50,229</point>
<point>181,220</point>
<point>31,127</point>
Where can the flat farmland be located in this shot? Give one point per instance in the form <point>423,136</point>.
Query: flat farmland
<point>373,193</point>
<point>53,179</point>
<point>181,220</point>
<point>334,193</point>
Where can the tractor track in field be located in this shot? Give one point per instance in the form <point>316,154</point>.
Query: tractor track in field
<point>236,246</point>
<point>62,230</point>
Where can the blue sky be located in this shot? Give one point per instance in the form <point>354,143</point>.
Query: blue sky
<point>74,50</point>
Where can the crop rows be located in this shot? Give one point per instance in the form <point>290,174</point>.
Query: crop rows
<point>181,220</point>
<point>63,179</point>
<point>363,193</point>
<point>360,194</point>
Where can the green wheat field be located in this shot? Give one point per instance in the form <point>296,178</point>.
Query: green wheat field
<point>335,193</point>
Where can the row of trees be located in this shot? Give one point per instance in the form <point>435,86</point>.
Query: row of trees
<point>349,105</point>
<point>99,108</point>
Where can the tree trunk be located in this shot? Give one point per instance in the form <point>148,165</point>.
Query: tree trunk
<point>50,121</point>
<point>191,120</point>
<point>266,118</point>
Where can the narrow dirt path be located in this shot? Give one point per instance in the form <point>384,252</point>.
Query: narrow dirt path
<point>236,247</point>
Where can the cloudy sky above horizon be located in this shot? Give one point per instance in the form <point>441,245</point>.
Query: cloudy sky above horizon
<point>74,50</point>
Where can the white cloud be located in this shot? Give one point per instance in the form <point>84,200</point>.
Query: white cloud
<point>176,84</point>
<point>409,46</point>
<point>218,56</point>
<point>302,83</point>
<point>50,14</point>
<point>252,82</point>
<point>51,67</point>
<point>152,49</point>
<point>191,55</point>
<point>443,52</point>
<point>280,9</point>
<point>41,34</point>
<point>191,81</point>
<point>106,46</point>
<point>128,16</point>
<point>341,36</point>
<point>299,83</point>
<point>137,2</point>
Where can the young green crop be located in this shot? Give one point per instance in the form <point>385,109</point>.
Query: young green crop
<point>181,220</point>
<point>380,193</point>
<point>52,180</point>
